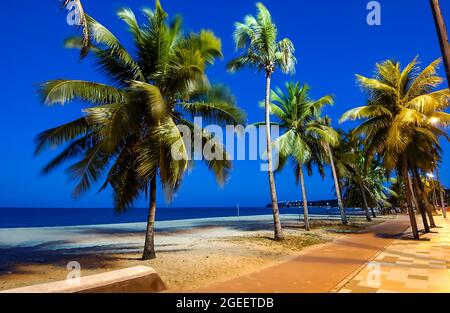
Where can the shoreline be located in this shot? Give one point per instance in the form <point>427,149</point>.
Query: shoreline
<point>186,221</point>
<point>190,253</point>
<point>33,217</point>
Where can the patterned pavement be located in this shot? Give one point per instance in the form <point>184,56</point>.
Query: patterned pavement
<point>407,266</point>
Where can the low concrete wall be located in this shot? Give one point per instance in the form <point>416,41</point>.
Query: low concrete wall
<point>140,279</point>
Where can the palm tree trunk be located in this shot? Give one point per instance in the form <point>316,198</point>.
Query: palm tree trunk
<point>424,197</point>
<point>305,200</point>
<point>443,36</point>
<point>418,203</point>
<point>412,216</point>
<point>273,192</point>
<point>149,246</point>
<point>366,206</point>
<point>441,194</point>
<point>336,186</point>
<point>421,203</point>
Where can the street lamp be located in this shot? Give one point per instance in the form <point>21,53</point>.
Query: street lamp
<point>434,120</point>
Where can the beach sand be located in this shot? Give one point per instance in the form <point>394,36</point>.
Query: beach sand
<point>190,253</point>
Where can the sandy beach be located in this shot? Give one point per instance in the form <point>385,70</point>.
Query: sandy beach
<point>191,253</point>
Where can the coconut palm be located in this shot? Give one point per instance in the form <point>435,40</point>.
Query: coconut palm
<point>367,187</point>
<point>401,105</point>
<point>355,178</point>
<point>305,136</point>
<point>349,160</point>
<point>422,154</point>
<point>256,38</point>
<point>441,192</point>
<point>329,149</point>
<point>131,132</point>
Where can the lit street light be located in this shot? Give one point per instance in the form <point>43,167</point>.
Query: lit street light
<point>434,120</point>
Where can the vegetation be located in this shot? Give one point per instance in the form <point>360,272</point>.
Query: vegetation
<point>401,122</point>
<point>305,140</point>
<point>129,133</point>
<point>256,37</point>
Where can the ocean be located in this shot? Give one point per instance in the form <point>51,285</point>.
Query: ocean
<point>49,217</point>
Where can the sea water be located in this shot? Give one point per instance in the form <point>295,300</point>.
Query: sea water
<point>47,217</point>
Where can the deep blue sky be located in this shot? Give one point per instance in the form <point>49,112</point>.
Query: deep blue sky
<point>333,43</point>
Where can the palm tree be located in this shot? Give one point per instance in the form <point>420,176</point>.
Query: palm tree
<point>256,37</point>
<point>422,154</point>
<point>401,105</point>
<point>441,192</point>
<point>355,181</point>
<point>350,166</point>
<point>305,136</point>
<point>327,122</point>
<point>367,188</point>
<point>442,35</point>
<point>131,131</point>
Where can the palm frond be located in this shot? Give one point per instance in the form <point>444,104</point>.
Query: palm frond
<point>63,91</point>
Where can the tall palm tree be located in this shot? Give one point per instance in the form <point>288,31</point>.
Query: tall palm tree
<point>256,37</point>
<point>305,136</point>
<point>327,122</point>
<point>130,133</point>
<point>401,105</point>
<point>442,35</point>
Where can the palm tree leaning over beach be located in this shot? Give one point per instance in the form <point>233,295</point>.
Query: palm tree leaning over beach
<point>130,132</point>
<point>256,37</point>
<point>305,137</point>
<point>402,105</point>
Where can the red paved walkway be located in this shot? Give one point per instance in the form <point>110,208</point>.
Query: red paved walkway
<point>320,268</point>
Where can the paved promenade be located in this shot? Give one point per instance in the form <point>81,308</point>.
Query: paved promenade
<point>408,266</point>
<point>320,268</point>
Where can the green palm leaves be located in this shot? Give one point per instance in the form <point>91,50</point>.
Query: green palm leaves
<point>129,132</point>
<point>257,38</point>
<point>306,138</point>
<point>401,122</point>
<point>305,135</point>
<point>401,106</point>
